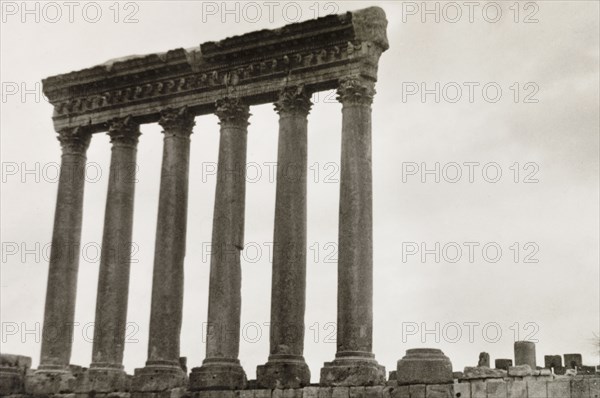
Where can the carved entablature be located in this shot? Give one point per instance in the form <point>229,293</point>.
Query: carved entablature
<point>254,66</point>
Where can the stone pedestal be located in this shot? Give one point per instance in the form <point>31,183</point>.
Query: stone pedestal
<point>13,369</point>
<point>525,353</point>
<point>221,369</point>
<point>113,280</point>
<point>59,312</point>
<point>503,364</point>
<point>424,366</point>
<point>552,361</point>
<point>573,361</point>
<point>286,367</point>
<point>354,363</point>
<point>163,370</point>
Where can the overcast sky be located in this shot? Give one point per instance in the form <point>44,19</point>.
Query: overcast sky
<point>515,98</point>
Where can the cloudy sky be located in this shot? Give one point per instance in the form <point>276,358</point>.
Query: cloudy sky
<point>485,163</point>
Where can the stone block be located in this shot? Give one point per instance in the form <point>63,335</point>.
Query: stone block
<point>595,387</point>
<point>310,392</point>
<point>277,393</point>
<point>537,388</point>
<point>496,388</point>
<point>347,372</point>
<point>392,375</point>
<point>461,390</point>
<point>439,391</point>
<point>552,361</point>
<point>482,373</point>
<point>503,363</point>
<point>262,393</point>
<point>580,388</point>
<point>373,392</point>
<point>11,381</point>
<point>246,394</point>
<point>573,360</point>
<point>325,392</point>
<point>340,392</point>
<point>516,389</point>
<point>356,392</point>
<point>520,371</point>
<point>399,392</point>
<point>478,389</point>
<point>424,366</point>
<point>457,375</point>
<point>417,391</point>
<point>292,393</point>
<point>525,353</point>
<point>559,389</point>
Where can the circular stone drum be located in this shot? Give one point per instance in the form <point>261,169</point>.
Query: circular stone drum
<point>424,366</point>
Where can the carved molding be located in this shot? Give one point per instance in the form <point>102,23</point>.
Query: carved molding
<point>356,91</point>
<point>293,100</point>
<point>177,122</point>
<point>123,131</point>
<point>232,111</point>
<point>74,140</point>
<point>316,53</point>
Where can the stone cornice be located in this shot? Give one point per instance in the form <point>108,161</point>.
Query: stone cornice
<point>253,67</point>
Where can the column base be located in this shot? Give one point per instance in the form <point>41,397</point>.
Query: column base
<point>218,374</point>
<point>353,369</point>
<point>51,379</point>
<point>283,371</point>
<point>107,378</point>
<point>158,376</point>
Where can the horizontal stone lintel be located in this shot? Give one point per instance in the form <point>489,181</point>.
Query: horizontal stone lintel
<point>254,66</point>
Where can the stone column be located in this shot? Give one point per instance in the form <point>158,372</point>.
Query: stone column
<point>221,368</point>
<point>163,370</point>
<point>354,363</point>
<point>59,311</point>
<point>286,367</point>
<point>106,370</point>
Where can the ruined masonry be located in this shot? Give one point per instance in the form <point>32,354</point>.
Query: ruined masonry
<point>283,66</point>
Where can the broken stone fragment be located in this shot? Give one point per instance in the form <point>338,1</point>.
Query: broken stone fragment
<point>483,373</point>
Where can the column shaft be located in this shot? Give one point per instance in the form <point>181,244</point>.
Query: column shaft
<point>61,291</point>
<point>221,367</point>
<point>355,363</point>
<point>113,278</point>
<point>286,367</point>
<point>162,368</point>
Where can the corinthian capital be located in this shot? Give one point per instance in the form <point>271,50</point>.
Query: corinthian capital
<point>123,131</point>
<point>74,140</point>
<point>232,111</point>
<point>293,99</point>
<point>177,122</point>
<point>356,91</point>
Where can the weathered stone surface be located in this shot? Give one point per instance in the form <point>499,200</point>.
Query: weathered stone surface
<point>399,392</point>
<point>559,389</point>
<point>496,388</point>
<point>478,389</point>
<point>595,387</point>
<point>310,392</point>
<point>525,353</point>
<point>520,371</point>
<point>439,391</point>
<point>352,372</point>
<point>516,389</point>
<point>424,366</point>
<point>340,392</point>
<point>461,390</point>
<point>417,390</point>
<point>573,361</point>
<point>484,360</point>
<point>537,388</point>
<point>503,364</point>
<point>373,392</point>
<point>580,388</point>
<point>483,373</point>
